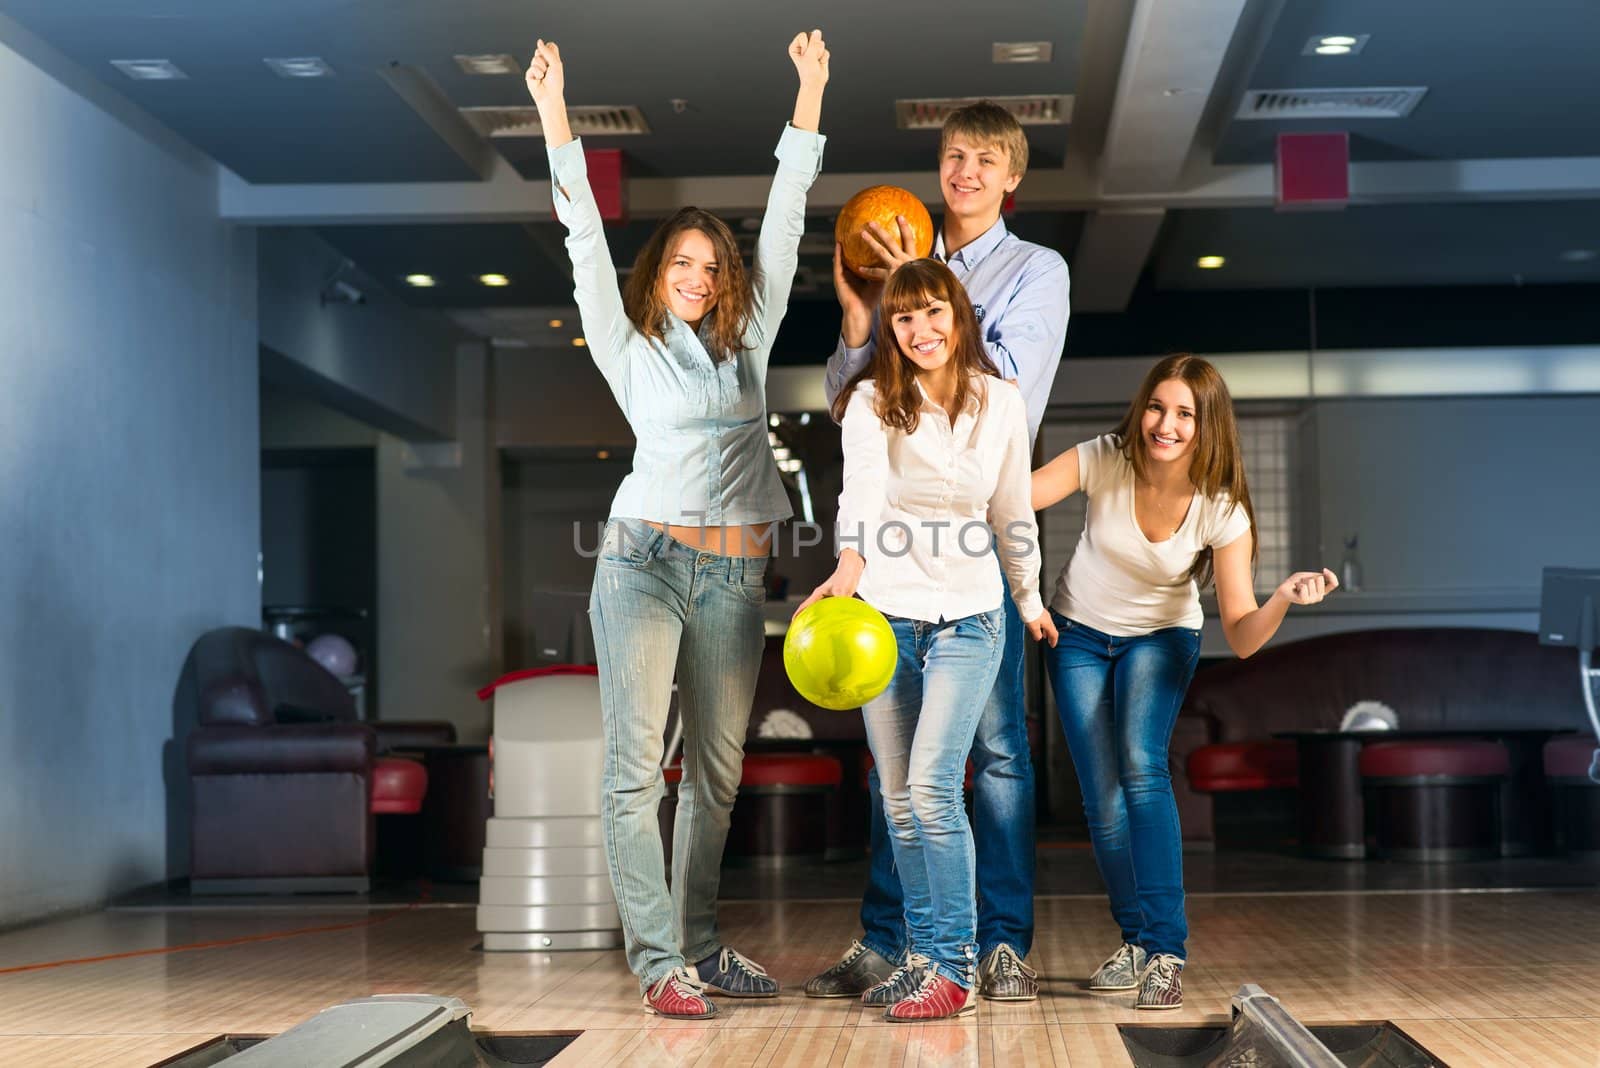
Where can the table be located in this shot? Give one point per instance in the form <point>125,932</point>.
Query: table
<point>1332,813</point>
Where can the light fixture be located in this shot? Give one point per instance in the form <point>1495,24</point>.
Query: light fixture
<point>1579,255</point>
<point>1210,263</point>
<point>805,418</point>
<point>299,67</point>
<point>555,324</point>
<point>149,70</point>
<point>603,454</point>
<point>772,420</point>
<point>773,439</point>
<point>489,64</point>
<point>580,342</point>
<point>780,454</point>
<point>1022,51</point>
<point>1335,44</point>
<point>494,280</point>
<point>421,281</point>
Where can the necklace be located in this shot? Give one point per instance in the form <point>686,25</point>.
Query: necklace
<point>1163,513</point>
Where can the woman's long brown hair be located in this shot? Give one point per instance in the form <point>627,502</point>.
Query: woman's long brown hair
<point>729,317</point>
<point>912,287</point>
<point>1217,462</point>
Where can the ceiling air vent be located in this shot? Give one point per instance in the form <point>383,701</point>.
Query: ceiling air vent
<point>588,121</point>
<point>929,113</point>
<point>1392,103</point>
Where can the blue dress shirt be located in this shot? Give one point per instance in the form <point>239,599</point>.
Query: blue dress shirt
<point>702,456</point>
<point>1020,292</point>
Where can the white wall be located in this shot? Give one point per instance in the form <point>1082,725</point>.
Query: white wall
<point>128,473</point>
<point>438,627</point>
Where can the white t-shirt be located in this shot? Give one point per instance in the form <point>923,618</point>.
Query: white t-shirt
<point>1120,582</point>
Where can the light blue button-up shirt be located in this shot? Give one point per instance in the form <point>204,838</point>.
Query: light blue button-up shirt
<point>702,455</point>
<point>1020,291</point>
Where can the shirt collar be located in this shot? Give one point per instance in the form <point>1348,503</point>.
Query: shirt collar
<point>973,253</point>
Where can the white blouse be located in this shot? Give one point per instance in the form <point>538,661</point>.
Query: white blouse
<point>920,507</point>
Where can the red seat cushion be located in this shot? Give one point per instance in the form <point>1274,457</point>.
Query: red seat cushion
<point>778,769</point>
<point>1569,756</point>
<point>790,769</point>
<point>398,786</point>
<point>1463,757</point>
<point>1228,766</point>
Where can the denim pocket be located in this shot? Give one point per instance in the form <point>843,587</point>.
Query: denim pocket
<point>993,622</point>
<point>752,582</point>
<point>631,545</point>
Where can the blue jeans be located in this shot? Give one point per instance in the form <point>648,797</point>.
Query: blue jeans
<point>1118,699</point>
<point>920,730</point>
<point>660,607</point>
<point>1002,818</point>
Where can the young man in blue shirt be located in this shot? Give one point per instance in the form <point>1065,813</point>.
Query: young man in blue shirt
<point>1020,293</point>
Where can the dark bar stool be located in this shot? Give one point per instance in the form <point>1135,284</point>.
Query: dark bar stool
<point>781,812</point>
<point>1436,800</point>
<point>1253,787</point>
<point>1577,797</point>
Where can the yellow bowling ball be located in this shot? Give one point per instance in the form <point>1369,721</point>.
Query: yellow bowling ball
<point>840,653</point>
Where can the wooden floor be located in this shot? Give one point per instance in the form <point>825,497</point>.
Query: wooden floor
<point>1477,978</point>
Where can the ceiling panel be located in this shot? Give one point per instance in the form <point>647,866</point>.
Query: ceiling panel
<point>1504,80</point>
<point>727,61</point>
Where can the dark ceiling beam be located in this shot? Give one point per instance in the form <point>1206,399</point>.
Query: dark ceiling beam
<point>1110,257</point>
<point>513,199</point>
<point>423,95</point>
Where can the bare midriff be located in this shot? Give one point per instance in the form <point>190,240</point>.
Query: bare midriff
<point>752,539</point>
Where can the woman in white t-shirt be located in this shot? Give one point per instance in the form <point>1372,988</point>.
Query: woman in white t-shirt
<point>1169,510</point>
<point>936,473</point>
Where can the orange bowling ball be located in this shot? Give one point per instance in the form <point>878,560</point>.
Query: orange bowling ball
<point>880,204</point>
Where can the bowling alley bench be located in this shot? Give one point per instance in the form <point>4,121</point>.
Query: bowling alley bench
<point>1482,715</point>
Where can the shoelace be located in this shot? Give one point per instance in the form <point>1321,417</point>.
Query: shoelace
<point>855,951</point>
<point>730,957</point>
<point>928,989</point>
<point>913,962</point>
<point>1124,953</point>
<point>1007,964</point>
<point>688,983</point>
<point>1164,972</point>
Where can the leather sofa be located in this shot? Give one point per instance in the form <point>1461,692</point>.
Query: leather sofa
<point>1433,677</point>
<point>284,780</point>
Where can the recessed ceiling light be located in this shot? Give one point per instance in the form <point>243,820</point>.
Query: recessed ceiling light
<point>602,454</point>
<point>495,63</point>
<point>580,343</point>
<point>1335,44</point>
<point>149,70</point>
<point>1023,51</point>
<point>1210,263</point>
<point>555,324</point>
<point>1579,255</point>
<point>299,67</point>
<point>495,280</point>
<point>421,281</point>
